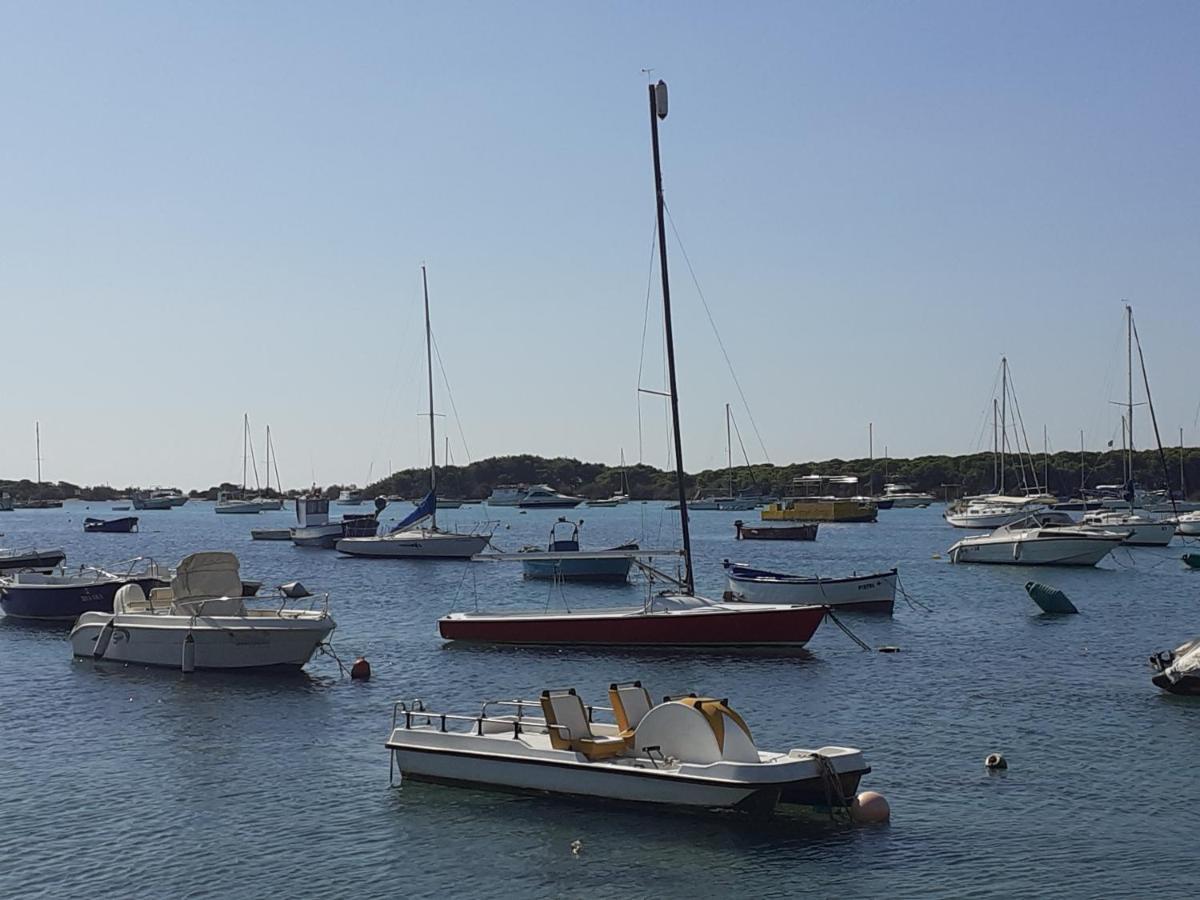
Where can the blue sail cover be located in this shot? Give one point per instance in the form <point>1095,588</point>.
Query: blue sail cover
<point>424,510</point>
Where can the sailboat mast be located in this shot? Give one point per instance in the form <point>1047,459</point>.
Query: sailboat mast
<point>245,444</point>
<point>267,463</point>
<point>37,435</point>
<point>995,448</point>
<point>658,109</point>
<point>1045,461</point>
<point>1003,417</point>
<point>1129,353</point>
<point>871,456</point>
<point>429,369</point>
<point>1081,474</point>
<point>728,451</point>
<point>1182,486</point>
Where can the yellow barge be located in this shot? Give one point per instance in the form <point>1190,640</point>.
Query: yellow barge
<point>823,507</point>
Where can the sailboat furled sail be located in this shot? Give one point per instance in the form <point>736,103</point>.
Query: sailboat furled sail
<point>425,509</point>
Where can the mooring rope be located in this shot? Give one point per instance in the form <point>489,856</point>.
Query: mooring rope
<point>840,624</point>
<point>326,648</point>
<point>908,598</point>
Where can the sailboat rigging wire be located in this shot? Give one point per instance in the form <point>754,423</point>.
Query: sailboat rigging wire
<point>450,396</point>
<point>645,326</point>
<point>745,455</point>
<point>254,466</point>
<point>1162,456</point>
<point>1021,422</point>
<point>720,343</point>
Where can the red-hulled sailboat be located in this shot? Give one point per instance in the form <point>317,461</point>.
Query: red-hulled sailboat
<point>675,618</point>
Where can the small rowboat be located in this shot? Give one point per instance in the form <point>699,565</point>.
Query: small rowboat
<point>806,531</point>
<point>270,534</point>
<point>123,525</point>
<point>865,593</point>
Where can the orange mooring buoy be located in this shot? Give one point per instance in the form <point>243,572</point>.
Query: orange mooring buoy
<point>361,670</point>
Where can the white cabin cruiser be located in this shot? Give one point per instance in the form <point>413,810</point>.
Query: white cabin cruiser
<point>904,497</point>
<point>1139,530</point>
<point>201,622</point>
<point>350,496</point>
<point>506,495</point>
<point>1043,538</point>
<point>686,751</point>
<point>542,496</point>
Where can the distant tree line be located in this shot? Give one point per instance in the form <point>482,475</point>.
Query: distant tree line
<point>944,476</point>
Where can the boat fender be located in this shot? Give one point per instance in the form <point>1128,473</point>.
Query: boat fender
<point>188,663</point>
<point>996,762</point>
<point>870,808</point>
<point>1017,550</point>
<point>102,640</point>
<point>361,670</point>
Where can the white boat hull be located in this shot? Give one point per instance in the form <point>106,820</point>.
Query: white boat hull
<point>325,536</point>
<point>415,545</point>
<point>219,642</point>
<point>877,590</point>
<point>247,507</point>
<point>1045,551</point>
<point>1188,527</point>
<point>426,754</point>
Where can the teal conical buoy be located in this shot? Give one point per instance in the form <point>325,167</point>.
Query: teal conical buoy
<point>1192,559</point>
<point>1050,599</point>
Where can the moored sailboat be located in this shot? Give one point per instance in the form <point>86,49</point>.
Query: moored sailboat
<point>676,618</point>
<point>410,539</point>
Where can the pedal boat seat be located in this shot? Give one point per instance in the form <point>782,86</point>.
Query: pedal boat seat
<point>567,724</point>
<point>630,702</point>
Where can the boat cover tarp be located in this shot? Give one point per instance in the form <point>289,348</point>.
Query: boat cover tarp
<point>206,575</point>
<point>1186,663</point>
<point>424,510</point>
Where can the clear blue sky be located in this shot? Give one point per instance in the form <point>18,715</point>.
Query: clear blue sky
<point>210,208</point>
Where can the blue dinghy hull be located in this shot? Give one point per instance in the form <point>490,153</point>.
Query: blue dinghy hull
<point>67,602</point>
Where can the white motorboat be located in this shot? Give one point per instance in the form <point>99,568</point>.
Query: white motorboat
<point>1138,530</point>
<point>350,496</point>
<point>506,495</point>
<point>314,528</point>
<point>6,502</point>
<point>685,751</point>
<point>202,622</point>
<point>542,496</point>
<point>876,592</point>
<point>1188,524</point>
<point>904,497</point>
<point>410,539</point>
<point>152,500</point>
<point>1039,539</point>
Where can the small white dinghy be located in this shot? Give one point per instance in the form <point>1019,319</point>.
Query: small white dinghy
<point>201,622</point>
<point>686,751</point>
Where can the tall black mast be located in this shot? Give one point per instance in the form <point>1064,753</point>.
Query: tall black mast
<point>658,110</point>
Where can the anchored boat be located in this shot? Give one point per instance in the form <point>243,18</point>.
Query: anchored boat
<point>123,525</point>
<point>565,568</point>
<point>1179,669</point>
<point>30,560</point>
<point>64,597</point>
<point>202,622</point>
<point>685,751</point>
<point>1045,538</point>
<point>866,593</point>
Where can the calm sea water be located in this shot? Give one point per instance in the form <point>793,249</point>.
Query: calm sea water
<point>150,783</point>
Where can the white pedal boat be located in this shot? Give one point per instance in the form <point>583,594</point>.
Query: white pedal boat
<point>686,751</point>
<point>201,622</point>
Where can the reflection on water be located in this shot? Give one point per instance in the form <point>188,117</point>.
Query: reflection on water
<point>116,776</point>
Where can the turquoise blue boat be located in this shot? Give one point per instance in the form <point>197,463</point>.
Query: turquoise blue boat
<point>586,569</point>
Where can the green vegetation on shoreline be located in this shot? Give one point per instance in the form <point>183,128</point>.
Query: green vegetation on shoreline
<point>940,475</point>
